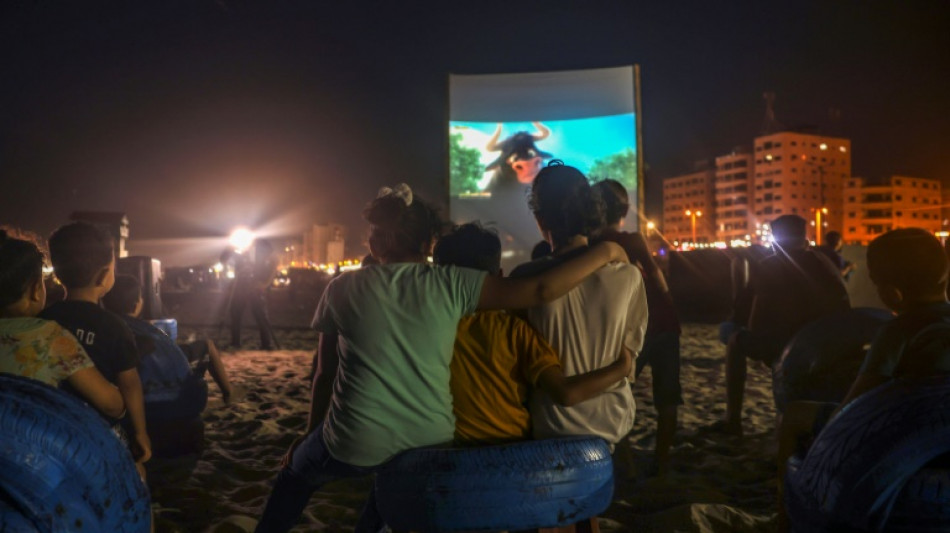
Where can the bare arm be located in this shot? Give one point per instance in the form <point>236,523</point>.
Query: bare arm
<point>568,391</point>
<point>327,363</point>
<point>131,388</point>
<point>519,293</point>
<point>100,393</point>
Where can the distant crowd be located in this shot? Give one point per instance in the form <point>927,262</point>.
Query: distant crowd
<point>434,345</point>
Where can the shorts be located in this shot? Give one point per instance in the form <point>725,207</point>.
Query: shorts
<point>662,353</point>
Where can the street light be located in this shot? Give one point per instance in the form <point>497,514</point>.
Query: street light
<point>693,215</point>
<point>821,209</point>
<point>241,239</point>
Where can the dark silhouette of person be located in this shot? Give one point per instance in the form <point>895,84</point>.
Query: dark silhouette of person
<point>788,289</point>
<point>832,248</point>
<point>253,271</point>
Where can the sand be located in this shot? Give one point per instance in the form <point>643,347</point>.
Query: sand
<point>717,483</point>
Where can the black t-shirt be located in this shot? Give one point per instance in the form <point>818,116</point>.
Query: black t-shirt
<point>106,338</point>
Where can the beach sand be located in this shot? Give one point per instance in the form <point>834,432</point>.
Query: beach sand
<point>718,483</point>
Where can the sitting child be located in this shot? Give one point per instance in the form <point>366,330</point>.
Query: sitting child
<point>84,262</point>
<point>909,269</point>
<point>40,349</point>
<point>499,357</point>
<point>168,370</point>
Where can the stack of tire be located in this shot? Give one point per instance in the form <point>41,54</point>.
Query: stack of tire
<point>61,467</point>
<point>880,465</point>
<point>524,485</point>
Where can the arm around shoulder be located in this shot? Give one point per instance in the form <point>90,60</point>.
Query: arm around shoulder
<point>568,391</point>
<point>519,293</point>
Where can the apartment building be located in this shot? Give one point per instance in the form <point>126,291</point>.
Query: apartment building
<point>801,174</point>
<point>688,204</point>
<point>733,196</point>
<point>901,202</point>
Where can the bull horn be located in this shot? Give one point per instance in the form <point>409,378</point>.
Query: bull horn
<point>543,131</point>
<point>492,145</point>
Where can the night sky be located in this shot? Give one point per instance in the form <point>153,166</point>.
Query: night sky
<point>194,117</point>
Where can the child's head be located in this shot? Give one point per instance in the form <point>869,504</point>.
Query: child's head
<point>125,298</point>
<point>909,267</point>
<point>471,246</point>
<point>564,204</point>
<point>21,275</point>
<point>789,232</point>
<point>82,256</point>
<point>833,239</point>
<point>402,227</point>
<point>616,200</point>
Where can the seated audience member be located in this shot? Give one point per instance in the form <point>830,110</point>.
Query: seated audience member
<point>499,358</point>
<point>909,270</point>
<point>167,369</point>
<point>794,286</point>
<point>40,349</point>
<point>661,346</point>
<point>590,324</point>
<point>84,262</point>
<point>831,247</point>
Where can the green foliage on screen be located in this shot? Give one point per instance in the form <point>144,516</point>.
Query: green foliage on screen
<point>621,166</point>
<point>464,167</point>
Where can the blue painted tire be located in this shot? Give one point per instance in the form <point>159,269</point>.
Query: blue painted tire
<point>544,483</point>
<point>856,471</point>
<point>821,362</point>
<point>12,521</point>
<point>190,403</point>
<point>923,504</point>
<point>61,466</point>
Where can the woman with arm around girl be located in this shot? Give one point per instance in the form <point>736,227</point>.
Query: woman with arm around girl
<point>386,340</point>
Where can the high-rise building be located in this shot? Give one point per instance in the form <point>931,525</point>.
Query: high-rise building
<point>902,202</point>
<point>323,244</point>
<point>801,174</point>
<point>688,205</point>
<point>733,194</point>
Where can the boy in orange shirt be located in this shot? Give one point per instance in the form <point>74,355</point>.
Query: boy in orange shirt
<point>500,357</point>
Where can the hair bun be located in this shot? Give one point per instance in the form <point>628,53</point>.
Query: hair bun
<point>387,210</point>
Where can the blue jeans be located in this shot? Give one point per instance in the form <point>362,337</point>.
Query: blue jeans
<point>310,468</point>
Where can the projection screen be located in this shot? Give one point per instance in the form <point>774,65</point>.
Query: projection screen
<point>503,128</point>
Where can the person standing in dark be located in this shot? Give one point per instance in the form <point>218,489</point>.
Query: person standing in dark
<point>661,346</point>
<point>253,271</point>
<point>832,249</point>
<point>794,286</point>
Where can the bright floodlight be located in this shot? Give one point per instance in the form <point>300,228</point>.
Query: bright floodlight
<point>241,239</point>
